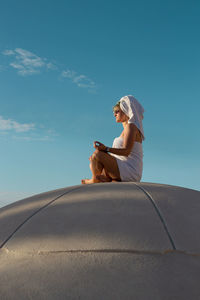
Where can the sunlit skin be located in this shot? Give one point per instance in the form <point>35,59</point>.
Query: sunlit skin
<point>104,166</point>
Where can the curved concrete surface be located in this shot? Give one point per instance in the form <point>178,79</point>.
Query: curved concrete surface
<point>102,241</point>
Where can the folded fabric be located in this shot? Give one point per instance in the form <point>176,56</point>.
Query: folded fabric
<point>134,110</point>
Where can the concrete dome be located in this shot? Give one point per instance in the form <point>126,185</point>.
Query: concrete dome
<point>102,241</point>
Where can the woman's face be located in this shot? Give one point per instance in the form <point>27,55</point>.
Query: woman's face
<point>119,115</point>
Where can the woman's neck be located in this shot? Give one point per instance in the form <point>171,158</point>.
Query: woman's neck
<point>124,123</point>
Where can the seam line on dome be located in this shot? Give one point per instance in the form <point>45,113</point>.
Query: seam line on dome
<point>159,214</point>
<point>131,251</point>
<point>33,214</point>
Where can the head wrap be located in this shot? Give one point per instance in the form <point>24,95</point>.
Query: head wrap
<point>134,110</point>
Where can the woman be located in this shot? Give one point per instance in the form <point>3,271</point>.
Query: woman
<point>124,162</point>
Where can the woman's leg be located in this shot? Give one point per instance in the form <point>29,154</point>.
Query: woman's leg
<point>104,177</point>
<point>101,160</point>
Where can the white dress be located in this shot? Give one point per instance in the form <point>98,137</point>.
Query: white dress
<point>130,167</point>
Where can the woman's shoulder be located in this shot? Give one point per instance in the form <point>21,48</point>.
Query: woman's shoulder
<point>130,127</point>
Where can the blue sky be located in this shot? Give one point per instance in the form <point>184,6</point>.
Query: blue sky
<point>64,64</point>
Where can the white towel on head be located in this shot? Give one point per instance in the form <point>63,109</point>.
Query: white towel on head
<point>134,110</point>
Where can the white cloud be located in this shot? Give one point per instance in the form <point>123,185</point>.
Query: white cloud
<point>8,52</point>
<point>26,62</point>
<point>51,66</point>
<point>45,138</point>
<point>69,74</point>
<point>80,80</point>
<point>8,124</point>
<point>25,131</point>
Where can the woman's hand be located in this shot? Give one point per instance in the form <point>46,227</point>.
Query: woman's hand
<point>99,146</point>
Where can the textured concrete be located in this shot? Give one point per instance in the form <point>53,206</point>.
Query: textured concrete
<point>102,241</point>
<point>180,208</point>
<point>103,216</point>
<point>13,215</point>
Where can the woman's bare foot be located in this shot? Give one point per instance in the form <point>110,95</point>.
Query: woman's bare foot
<point>89,181</point>
<point>104,178</point>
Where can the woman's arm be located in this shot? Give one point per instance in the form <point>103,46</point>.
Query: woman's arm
<point>130,132</point>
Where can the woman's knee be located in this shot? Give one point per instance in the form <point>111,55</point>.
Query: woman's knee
<point>96,155</point>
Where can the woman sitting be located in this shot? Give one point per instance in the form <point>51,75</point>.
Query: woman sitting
<point>124,162</point>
